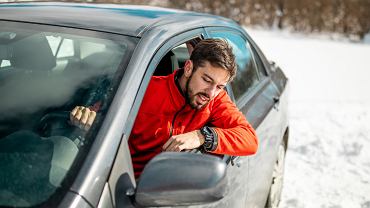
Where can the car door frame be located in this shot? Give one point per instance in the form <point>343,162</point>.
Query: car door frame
<point>247,103</point>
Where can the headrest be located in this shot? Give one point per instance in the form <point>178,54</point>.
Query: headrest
<point>33,53</point>
<point>167,65</point>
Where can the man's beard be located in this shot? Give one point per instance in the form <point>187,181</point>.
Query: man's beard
<point>190,99</point>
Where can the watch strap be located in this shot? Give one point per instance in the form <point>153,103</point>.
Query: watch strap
<point>210,138</point>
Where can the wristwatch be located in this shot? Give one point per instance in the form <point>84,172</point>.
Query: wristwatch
<point>210,138</point>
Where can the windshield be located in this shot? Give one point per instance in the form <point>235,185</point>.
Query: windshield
<point>45,72</point>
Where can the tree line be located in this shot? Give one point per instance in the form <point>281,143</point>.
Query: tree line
<point>348,17</point>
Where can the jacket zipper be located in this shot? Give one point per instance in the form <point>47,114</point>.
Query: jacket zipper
<point>173,120</point>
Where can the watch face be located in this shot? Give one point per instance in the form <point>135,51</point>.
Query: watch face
<point>207,144</point>
<point>208,137</point>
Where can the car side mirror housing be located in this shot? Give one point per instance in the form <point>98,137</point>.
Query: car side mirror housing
<point>176,179</point>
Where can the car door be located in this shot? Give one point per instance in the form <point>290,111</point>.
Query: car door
<point>254,94</point>
<point>121,180</point>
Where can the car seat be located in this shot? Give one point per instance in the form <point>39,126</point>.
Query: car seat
<point>33,53</point>
<point>167,65</point>
<point>64,153</point>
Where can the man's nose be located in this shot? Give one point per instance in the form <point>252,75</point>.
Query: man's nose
<point>211,91</point>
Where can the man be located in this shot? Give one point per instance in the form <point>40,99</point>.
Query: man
<point>188,109</point>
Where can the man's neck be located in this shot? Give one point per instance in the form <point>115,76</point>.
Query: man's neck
<point>181,81</point>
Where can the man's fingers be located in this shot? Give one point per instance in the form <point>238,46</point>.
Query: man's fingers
<point>90,120</point>
<point>173,145</point>
<point>185,141</point>
<point>74,119</point>
<point>167,143</point>
<point>72,114</point>
<point>176,148</point>
<point>85,115</point>
<point>82,117</point>
<point>91,117</point>
<point>78,114</point>
<point>74,111</point>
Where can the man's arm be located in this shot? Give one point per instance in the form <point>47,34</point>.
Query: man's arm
<point>186,141</point>
<point>235,135</point>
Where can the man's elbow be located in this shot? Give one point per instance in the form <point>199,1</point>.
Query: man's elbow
<point>254,145</point>
<point>251,145</point>
<point>251,140</point>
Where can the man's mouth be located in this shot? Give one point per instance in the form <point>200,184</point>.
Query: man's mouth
<point>203,97</point>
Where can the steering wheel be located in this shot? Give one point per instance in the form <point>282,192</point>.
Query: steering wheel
<point>58,124</point>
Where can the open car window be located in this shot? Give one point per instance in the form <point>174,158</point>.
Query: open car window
<point>176,57</point>
<point>45,72</point>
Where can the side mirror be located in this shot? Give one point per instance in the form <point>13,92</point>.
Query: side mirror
<point>176,179</point>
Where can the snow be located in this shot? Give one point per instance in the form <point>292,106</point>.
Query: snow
<point>328,158</point>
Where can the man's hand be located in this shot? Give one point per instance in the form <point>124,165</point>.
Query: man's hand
<point>187,141</point>
<point>82,117</point>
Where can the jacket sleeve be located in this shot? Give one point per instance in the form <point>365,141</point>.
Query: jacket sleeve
<point>235,135</point>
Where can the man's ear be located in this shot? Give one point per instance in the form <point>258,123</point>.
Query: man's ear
<point>188,68</point>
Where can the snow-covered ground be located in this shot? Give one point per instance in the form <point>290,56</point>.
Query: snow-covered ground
<point>328,159</point>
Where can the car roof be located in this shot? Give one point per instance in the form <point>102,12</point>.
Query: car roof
<point>121,19</point>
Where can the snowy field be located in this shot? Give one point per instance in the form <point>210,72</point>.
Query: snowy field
<point>328,159</point>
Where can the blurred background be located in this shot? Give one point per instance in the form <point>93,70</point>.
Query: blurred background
<point>348,17</point>
<point>323,46</point>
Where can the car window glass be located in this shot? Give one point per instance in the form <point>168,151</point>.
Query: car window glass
<point>61,47</point>
<point>260,67</point>
<point>54,42</point>
<point>5,53</point>
<point>66,49</point>
<point>246,77</point>
<point>87,48</point>
<point>38,144</point>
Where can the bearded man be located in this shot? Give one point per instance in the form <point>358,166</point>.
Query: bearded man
<point>190,109</point>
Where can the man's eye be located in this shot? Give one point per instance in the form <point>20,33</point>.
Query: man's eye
<point>220,87</point>
<point>206,80</point>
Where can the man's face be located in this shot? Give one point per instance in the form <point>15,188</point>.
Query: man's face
<point>204,84</point>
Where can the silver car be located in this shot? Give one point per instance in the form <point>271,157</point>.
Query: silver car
<point>55,56</point>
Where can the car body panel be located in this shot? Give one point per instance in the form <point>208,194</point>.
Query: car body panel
<point>106,198</point>
<point>74,200</point>
<point>261,163</point>
<point>122,178</point>
<point>108,19</point>
<point>126,20</point>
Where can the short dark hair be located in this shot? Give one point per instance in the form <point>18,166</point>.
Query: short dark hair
<point>217,52</point>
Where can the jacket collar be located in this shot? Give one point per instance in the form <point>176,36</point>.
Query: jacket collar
<point>176,95</point>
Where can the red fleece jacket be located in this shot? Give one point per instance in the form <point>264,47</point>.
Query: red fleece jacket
<point>164,109</point>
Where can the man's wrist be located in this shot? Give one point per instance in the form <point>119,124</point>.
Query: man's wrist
<point>210,138</point>
<point>201,137</point>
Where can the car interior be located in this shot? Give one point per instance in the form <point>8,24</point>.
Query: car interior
<point>175,58</point>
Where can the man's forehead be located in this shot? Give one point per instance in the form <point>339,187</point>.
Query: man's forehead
<point>217,74</point>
